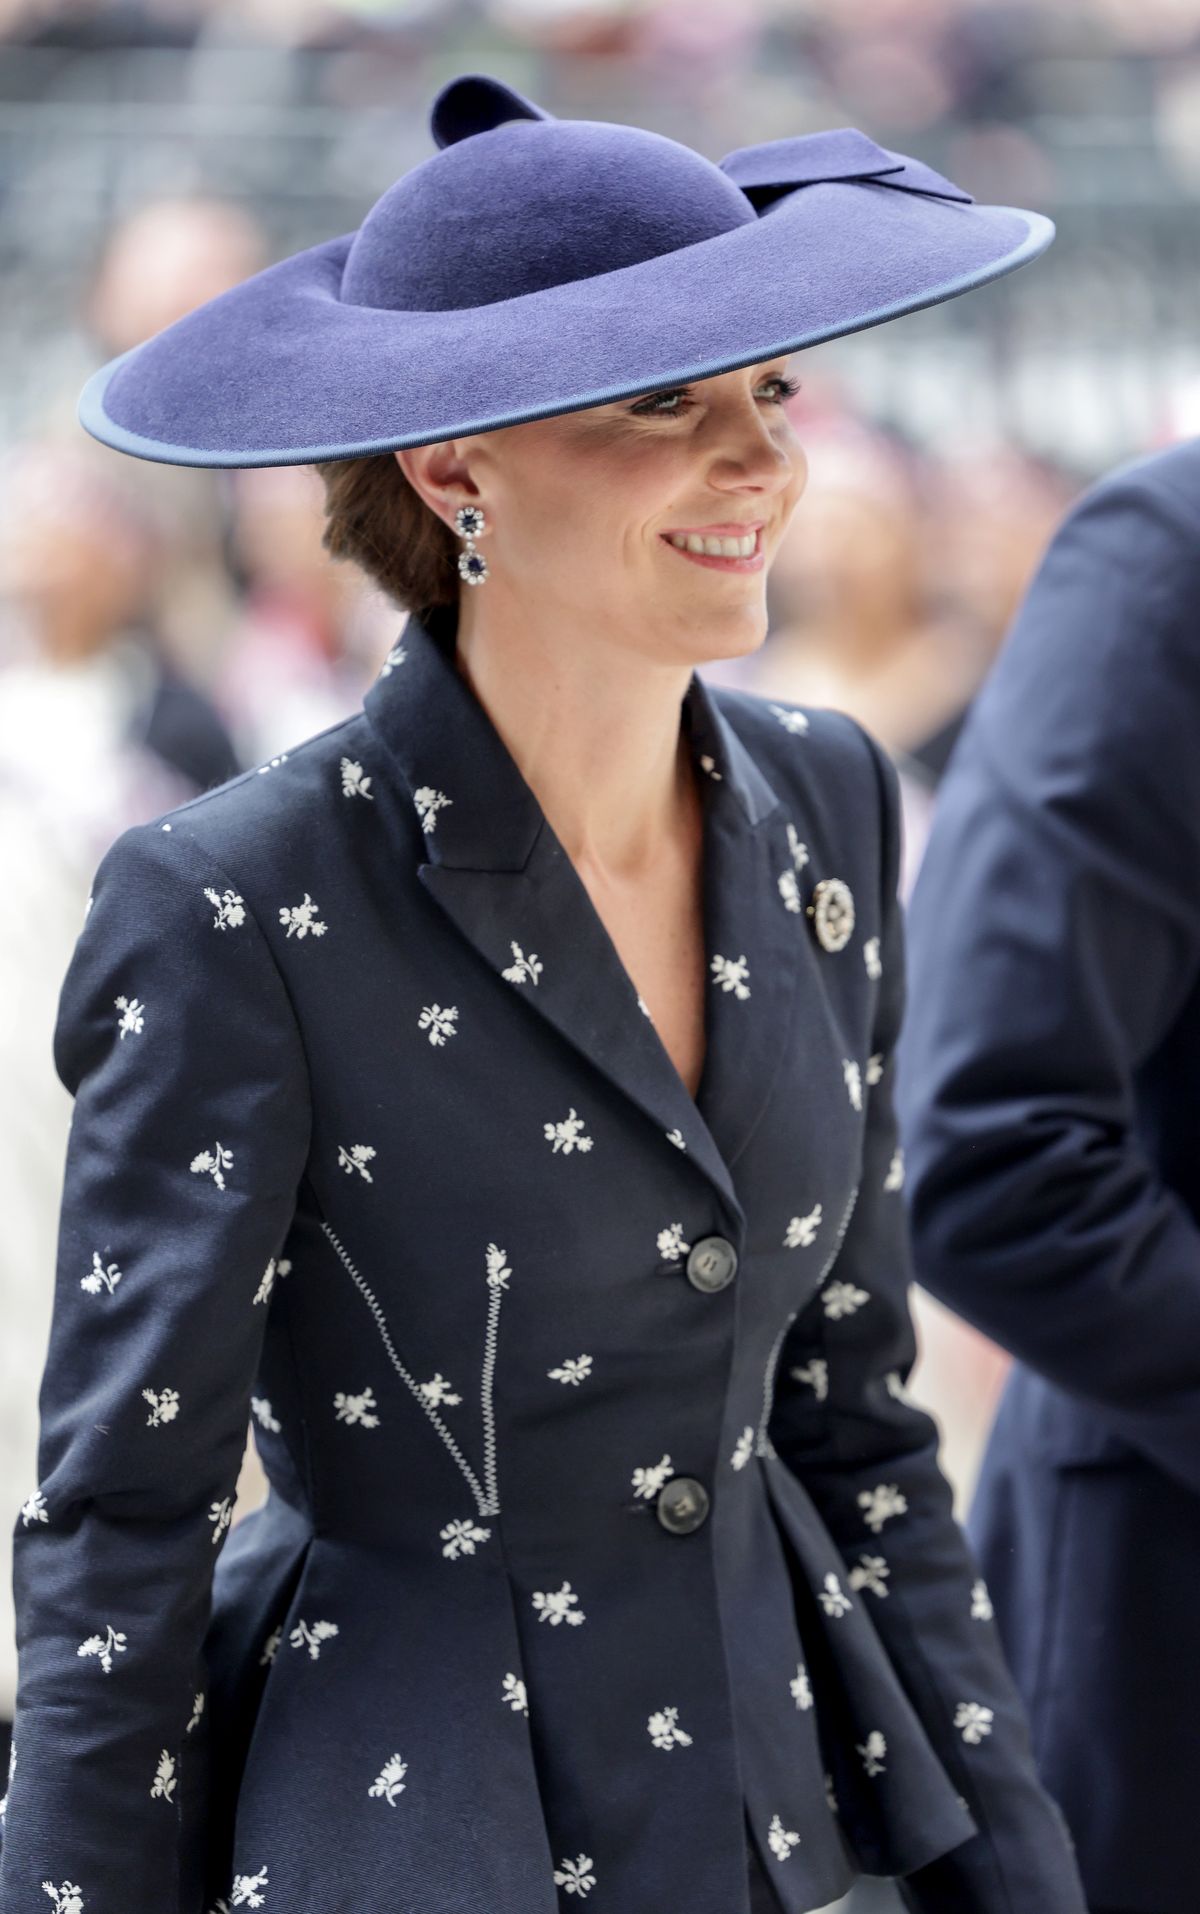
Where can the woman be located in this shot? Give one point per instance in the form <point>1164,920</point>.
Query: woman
<point>493,1095</point>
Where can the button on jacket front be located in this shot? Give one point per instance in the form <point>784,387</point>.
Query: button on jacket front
<point>374,1144</point>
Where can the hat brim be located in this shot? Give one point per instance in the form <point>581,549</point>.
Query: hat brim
<point>280,371</point>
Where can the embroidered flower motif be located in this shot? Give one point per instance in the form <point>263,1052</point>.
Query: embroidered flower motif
<point>230,908</point>
<point>871,1573</point>
<point>460,1538</point>
<point>789,890</point>
<point>164,1406</point>
<point>874,1068</point>
<point>575,1877</point>
<point>710,765</point>
<point>197,1711</point>
<point>68,1899</point>
<point>302,1635</point>
<point>974,1721</point>
<point>429,802</point>
<point>498,1271</point>
<point>221,1515</point>
<point>671,1245</point>
<point>271,1646</point>
<point>301,919</point>
<point>354,784</point>
<point>793,721</point>
<point>894,1180</point>
<point>512,1690</point>
<point>730,973</point>
<point>648,1482</point>
<point>664,1731</point>
<point>575,1369</point>
<point>263,769</point>
<point>277,1266</point>
<point>676,1137</point>
<point>396,656</point>
<point>356,1158</point>
<point>801,1687</point>
<point>981,1603</point>
<point>881,1504</point>
<point>163,1786</point>
<point>815,1373</point>
<point>872,1751</point>
<point>132,1016</point>
<point>799,851</point>
<point>100,1277</point>
<point>781,1840</point>
<point>871,959</point>
<point>261,1409</point>
<point>853,1082</point>
<point>360,1409</point>
<point>213,1163</point>
<point>801,1231</point>
<point>245,1889</point>
<point>843,1299</point>
<point>438,1022</point>
<point>389,1782</point>
<point>744,1448</point>
<point>568,1134</point>
<point>105,1646</point>
<point>438,1393</point>
<point>557,1606</point>
<point>34,1509</point>
<point>524,967</point>
<point>833,1597</point>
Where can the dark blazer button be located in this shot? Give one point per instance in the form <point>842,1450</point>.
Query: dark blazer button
<point>683,1504</point>
<point>711,1264</point>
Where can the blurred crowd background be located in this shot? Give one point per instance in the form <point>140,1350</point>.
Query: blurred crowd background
<point>163,628</point>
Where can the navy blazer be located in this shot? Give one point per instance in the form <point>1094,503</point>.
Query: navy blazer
<point>1049,1099</point>
<point>599,1525</point>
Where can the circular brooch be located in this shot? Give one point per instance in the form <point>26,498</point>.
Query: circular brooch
<point>832,913</point>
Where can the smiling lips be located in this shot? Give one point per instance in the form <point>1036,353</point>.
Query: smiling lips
<point>725,552</point>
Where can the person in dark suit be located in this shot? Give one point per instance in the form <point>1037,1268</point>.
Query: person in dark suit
<point>1049,1108</point>
<point>492,1095</point>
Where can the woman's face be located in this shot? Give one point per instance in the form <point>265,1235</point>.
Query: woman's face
<point>579,508</point>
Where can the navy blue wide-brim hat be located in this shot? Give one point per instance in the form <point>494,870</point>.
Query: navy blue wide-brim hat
<point>536,265</point>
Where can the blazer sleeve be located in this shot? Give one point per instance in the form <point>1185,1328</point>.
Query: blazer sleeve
<point>1048,1068</point>
<point>188,1137</point>
<point>868,1458</point>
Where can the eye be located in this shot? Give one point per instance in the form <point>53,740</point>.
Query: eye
<point>653,406</point>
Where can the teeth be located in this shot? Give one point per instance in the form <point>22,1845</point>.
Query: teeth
<point>716,547</point>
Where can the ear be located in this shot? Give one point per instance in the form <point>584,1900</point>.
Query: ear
<point>440,476</point>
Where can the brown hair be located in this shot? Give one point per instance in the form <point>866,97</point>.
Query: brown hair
<point>375,517</point>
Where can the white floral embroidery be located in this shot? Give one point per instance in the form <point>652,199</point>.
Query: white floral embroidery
<point>303,1635</point>
<point>245,1889</point>
<point>874,1069</point>
<point>164,1405</point>
<point>671,1245</point>
<point>389,1782</point>
<point>872,1751</point>
<point>799,851</point>
<point>567,1135</point>
<point>280,1266</point>
<point>871,959</point>
<point>213,1163</point>
<point>112,1641</point>
<point>356,1158</point>
<point>264,768</point>
<point>574,1369</point>
<point>981,1603</point>
<point>163,1786</point>
<point>437,1391</point>
<point>709,764</point>
<point>833,1597</point>
<point>270,1646</point>
<point>676,1137</point>
<point>853,1080</point>
<point>558,1605</point>
<point>575,1877</point>
<point>512,1689</point>
<point>801,1231</point>
<point>439,1023</point>
<point>815,1373</point>
<point>396,656</point>
<point>894,1180</point>
<point>354,784</point>
<point>68,1899</point>
<point>100,1277</point>
<point>221,1515</point>
<point>871,1573</point>
<point>301,919</point>
<point>34,1509</point>
<point>793,721</point>
<point>664,1730</point>
<point>781,1840</point>
<point>743,1448</point>
<point>843,1299</point>
<point>730,973</point>
<point>789,890</point>
<point>801,1687</point>
<point>360,1409</point>
<point>974,1721</point>
<point>261,1408</point>
<point>429,802</point>
<point>881,1504</point>
<point>524,966</point>
<point>460,1538</point>
<point>197,1711</point>
<point>132,1015</point>
<point>230,908</point>
<point>648,1482</point>
<point>498,1271</point>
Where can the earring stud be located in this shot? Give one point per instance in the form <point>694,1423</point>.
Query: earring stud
<point>469,521</point>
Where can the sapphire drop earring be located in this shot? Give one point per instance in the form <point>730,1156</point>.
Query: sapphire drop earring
<point>468,523</point>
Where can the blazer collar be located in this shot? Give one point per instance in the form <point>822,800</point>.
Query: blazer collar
<point>496,867</point>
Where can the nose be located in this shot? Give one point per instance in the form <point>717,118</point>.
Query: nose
<point>747,450</point>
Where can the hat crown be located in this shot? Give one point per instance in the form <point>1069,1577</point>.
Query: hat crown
<point>533,203</point>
